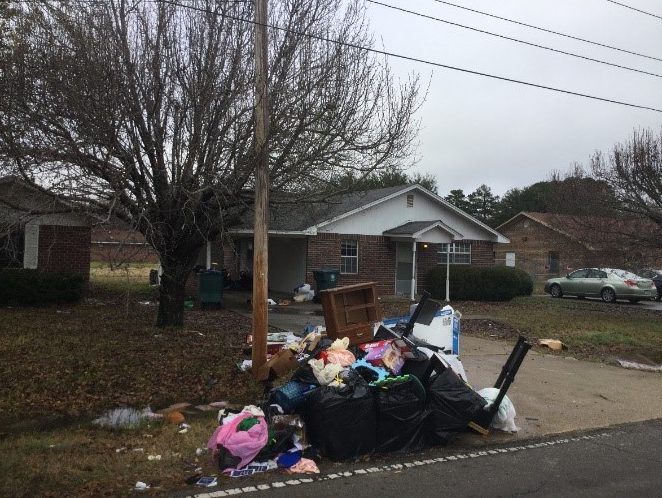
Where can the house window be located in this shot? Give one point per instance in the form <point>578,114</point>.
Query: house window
<point>349,256</point>
<point>460,253</point>
<point>410,200</point>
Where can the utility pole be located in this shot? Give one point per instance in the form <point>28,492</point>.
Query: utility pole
<point>260,227</point>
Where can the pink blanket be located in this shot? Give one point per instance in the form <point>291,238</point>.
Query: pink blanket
<point>243,444</point>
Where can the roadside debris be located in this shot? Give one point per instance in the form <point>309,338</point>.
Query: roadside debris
<point>639,366</point>
<point>125,418</point>
<point>553,344</point>
<point>141,486</point>
<point>365,388</point>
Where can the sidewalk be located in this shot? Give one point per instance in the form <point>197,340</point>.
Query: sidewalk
<point>551,393</point>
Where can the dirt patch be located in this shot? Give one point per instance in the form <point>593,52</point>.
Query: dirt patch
<point>489,329</point>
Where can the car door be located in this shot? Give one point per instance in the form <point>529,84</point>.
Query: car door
<point>594,282</point>
<point>575,281</point>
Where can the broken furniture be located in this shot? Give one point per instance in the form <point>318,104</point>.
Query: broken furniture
<point>351,311</point>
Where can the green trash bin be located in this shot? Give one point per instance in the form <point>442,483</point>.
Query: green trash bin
<point>326,279</point>
<point>210,288</point>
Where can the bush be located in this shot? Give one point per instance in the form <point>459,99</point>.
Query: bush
<point>34,288</point>
<point>493,283</point>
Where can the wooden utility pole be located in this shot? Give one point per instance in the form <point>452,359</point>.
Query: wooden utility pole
<point>260,230</point>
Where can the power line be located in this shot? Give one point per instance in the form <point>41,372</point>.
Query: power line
<point>635,9</point>
<point>415,59</point>
<point>545,30</point>
<point>571,54</point>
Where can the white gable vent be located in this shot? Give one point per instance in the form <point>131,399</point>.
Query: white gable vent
<point>410,200</point>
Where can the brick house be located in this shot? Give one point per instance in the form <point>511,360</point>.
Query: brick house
<point>549,245</point>
<point>392,236</point>
<point>116,244</point>
<point>40,232</point>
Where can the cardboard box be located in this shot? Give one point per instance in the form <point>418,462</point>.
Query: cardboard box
<point>278,365</point>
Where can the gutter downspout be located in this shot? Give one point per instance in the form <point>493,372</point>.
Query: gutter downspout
<point>208,259</point>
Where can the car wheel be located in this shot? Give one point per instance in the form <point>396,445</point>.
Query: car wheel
<point>556,291</point>
<point>608,295</point>
<point>633,301</point>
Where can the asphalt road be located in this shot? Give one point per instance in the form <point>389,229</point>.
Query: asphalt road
<point>621,461</point>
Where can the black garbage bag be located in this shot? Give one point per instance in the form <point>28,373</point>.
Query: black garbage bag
<point>305,374</point>
<point>279,441</point>
<point>421,369</point>
<point>341,422</point>
<point>452,405</point>
<point>401,417</point>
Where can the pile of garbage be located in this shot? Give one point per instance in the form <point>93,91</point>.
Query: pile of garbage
<point>347,398</point>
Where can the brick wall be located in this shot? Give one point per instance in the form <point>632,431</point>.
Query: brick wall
<point>111,244</point>
<point>532,242</point>
<point>64,249</point>
<point>376,259</point>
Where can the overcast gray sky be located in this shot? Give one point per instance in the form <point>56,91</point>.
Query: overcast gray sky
<point>477,130</point>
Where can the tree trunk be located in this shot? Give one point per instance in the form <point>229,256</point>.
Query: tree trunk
<point>171,294</point>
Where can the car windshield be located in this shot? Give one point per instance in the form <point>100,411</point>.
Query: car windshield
<point>622,274</point>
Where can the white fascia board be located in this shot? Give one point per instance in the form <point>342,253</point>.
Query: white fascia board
<point>409,188</point>
<point>441,200</point>
<point>362,208</point>
<point>521,213</point>
<point>456,235</point>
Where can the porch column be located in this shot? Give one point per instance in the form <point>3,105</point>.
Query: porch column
<point>448,271</point>
<point>413,271</point>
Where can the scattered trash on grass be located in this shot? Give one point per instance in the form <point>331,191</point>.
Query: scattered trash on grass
<point>207,481</point>
<point>125,418</point>
<point>553,344</point>
<point>141,486</point>
<point>153,458</point>
<point>174,417</point>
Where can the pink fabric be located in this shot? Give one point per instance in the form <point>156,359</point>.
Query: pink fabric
<point>304,466</point>
<point>340,357</point>
<point>243,444</point>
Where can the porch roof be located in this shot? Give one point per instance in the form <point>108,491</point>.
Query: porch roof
<point>416,229</point>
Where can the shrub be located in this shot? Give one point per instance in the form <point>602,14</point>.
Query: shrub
<point>493,283</point>
<point>34,288</point>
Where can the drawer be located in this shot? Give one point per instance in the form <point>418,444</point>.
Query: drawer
<point>357,334</point>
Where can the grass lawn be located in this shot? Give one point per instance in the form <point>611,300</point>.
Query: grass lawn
<point>63,366</point>
<point>591,329</point>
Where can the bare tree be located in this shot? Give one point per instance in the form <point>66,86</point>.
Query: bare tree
<point>143,109</point>
<point>634,172</point>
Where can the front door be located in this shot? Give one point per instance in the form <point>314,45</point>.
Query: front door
<point>403,270</point>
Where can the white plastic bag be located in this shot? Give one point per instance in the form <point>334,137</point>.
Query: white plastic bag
<point>504,418</point>
<point>325,374</point>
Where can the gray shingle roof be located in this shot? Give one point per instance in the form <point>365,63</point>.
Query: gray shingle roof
<point>296,217</point>
<point>410,228</point>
